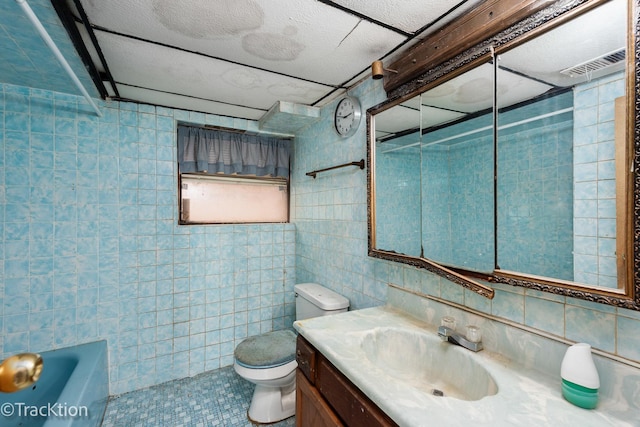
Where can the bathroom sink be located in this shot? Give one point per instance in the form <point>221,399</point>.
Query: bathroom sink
<point>424,362</point>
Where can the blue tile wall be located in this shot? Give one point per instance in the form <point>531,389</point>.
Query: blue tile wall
<point>436,199</point>
<point>330,212</point>
<point>398,215</point>
<point>535,194</point>
<point>31,63</point>
<point>595,173</point>
<point>91,248</point>
<point>458,201</point>
<point>458,194</point>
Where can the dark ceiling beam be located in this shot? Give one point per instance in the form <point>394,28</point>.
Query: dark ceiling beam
<point>440,18</point>
<point>68,20</point>
<point>527,76</point>
<point>87,25</point>
<point>141,39</point>
<point>183,95</point>
<point>366,18</point>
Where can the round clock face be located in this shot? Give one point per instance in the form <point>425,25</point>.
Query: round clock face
<point>347,116</point>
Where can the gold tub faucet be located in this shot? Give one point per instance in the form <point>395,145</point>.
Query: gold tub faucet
<point>20,371</point>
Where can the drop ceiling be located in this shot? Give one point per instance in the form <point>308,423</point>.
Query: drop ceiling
<point>236,58</point>
<point>273,61</point>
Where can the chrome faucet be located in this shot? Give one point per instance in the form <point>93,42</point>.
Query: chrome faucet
<point>473,343</point>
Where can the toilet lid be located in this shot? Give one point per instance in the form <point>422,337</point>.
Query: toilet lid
<point>267,350</point>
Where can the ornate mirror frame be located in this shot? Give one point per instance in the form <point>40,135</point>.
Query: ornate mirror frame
<point>452,60</point>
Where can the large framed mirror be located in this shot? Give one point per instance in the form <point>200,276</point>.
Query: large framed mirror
<point>518,161</point>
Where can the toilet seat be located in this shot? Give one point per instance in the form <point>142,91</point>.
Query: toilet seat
<point>257,375</point>
<point>267,351</point>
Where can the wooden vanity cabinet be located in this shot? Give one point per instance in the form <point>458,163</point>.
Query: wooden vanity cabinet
<point>326,398</point>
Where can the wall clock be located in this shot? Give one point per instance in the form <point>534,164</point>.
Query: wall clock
<point>347,116</point>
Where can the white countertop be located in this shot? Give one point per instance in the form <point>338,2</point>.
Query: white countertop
<point>525,397</point>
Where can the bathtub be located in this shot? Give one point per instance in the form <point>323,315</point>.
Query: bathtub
<point>71,392</point>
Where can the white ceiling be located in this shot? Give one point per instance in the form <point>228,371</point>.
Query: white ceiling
<point>239,58</point>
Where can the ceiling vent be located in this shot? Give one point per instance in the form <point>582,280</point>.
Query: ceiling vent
<point>596,64</point>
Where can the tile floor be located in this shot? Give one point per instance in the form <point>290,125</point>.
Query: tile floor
<point>215,398</point>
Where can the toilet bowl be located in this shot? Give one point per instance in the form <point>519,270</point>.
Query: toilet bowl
<point>269,360</point>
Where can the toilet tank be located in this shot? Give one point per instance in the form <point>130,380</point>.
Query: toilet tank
<point>314,300</point>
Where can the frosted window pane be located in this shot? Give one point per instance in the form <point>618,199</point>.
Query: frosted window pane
<point>235,200</point>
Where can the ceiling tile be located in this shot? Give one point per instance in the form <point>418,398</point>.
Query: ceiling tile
<point>307,39</point>
<point>150,66</point>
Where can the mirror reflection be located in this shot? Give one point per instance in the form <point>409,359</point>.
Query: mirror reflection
<point>457,171</point>
<point>557,147</point>
<point>398,208</point>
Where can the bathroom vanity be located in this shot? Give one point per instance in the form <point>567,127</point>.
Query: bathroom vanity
<point>382,367</point>
<point>325,397</point>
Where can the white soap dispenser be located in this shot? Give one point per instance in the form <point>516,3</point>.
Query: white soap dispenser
<point>580,380</point>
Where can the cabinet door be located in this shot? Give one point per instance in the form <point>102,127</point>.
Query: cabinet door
<point>311,409</point>
<point>351,404</point>
<point>306,358</point>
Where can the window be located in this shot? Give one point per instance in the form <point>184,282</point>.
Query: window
<point>228,177</point>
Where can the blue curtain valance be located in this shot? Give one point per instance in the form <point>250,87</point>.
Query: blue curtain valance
<point>214,151</point>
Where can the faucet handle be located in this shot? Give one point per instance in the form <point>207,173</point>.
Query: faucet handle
<point>474,334</point>
<point>448,322</point>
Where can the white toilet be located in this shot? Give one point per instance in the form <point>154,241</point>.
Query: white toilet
<point>269,360</point>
